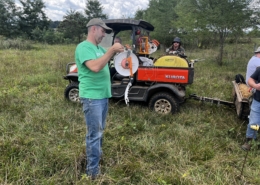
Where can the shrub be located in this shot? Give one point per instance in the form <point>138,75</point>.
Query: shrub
<point>17,43</point>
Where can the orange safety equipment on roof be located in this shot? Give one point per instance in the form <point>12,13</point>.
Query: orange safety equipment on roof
<point>156,42</point>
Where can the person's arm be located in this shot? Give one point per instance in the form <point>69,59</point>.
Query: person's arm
<point>181,51</point>
<point>168,49</point>
<point>252,81</point>
<point>98,64</point>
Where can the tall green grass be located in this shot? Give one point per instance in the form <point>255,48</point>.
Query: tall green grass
<point>17,43</point>
<point>42,138</point>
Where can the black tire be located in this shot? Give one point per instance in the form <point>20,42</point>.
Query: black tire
<point>71,92</point>
<point>163,103</point>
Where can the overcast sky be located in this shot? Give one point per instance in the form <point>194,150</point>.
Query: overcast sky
<point>56,9</point>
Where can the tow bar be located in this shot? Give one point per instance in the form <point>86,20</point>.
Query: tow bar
<point>211,100</point>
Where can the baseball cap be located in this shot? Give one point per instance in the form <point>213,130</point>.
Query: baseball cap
<point>176,39</point>
<point>99,22</point>
<point>258,50</point>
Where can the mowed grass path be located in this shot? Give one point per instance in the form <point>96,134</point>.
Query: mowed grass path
<point>42,136</point>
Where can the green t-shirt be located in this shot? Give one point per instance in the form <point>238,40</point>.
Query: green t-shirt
<point>92,85</point>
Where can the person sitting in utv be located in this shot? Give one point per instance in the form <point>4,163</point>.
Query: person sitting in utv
<point>176,47</point>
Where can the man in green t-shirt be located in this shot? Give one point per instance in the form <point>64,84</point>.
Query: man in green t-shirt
<point>94,88</point>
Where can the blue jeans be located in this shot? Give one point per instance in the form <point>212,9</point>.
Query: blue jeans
<point>95,111</point>
<point>254,119</point>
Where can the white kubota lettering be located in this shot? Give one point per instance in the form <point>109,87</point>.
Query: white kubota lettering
<point>175,77</point>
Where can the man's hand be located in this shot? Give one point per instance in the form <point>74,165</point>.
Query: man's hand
<point>98,64</point>
<point>173,52</point>
<point>257,86</point>
<point>127,46</point>
<point>117,48</point>
<point>252,83</point>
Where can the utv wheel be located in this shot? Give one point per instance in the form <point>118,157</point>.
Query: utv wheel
<point>72,92</point>
<point>163,103</point>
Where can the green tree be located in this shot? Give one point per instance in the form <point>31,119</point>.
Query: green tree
<point>37,34</point>
<point>220,17</point>
<point>73,25</point>
<point>54,24</point>
<point>139,14</point>
<point>94,10</point>
<point>161,13</point>
<point>50,37</point>
<point>255,32</point>
<point>8,18</point>
<point>32,16</point>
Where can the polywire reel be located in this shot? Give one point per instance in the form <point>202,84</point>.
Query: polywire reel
<point>119,62</point>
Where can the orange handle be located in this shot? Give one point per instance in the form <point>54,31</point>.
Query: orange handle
<point>129,59</point>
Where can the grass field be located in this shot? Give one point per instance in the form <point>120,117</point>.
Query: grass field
<point>42,136</point>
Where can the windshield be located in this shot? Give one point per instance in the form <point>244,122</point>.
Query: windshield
<point>107,41</point>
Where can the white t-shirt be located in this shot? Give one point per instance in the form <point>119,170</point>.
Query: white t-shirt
<point>253,63</point>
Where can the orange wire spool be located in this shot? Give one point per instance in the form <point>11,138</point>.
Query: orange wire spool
<point>126,66</point>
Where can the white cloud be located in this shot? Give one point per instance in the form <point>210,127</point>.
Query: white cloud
<point>126,8</point>
<point>54,14</point>
<point>56,9</point>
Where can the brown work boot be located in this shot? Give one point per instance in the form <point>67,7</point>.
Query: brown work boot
<point>246,146</point>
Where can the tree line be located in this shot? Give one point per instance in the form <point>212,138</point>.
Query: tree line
<point>203,23</point>
<point>30,21</point>
<point>200,23</point>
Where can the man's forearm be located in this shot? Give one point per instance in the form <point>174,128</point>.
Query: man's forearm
<point>98,64</point>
